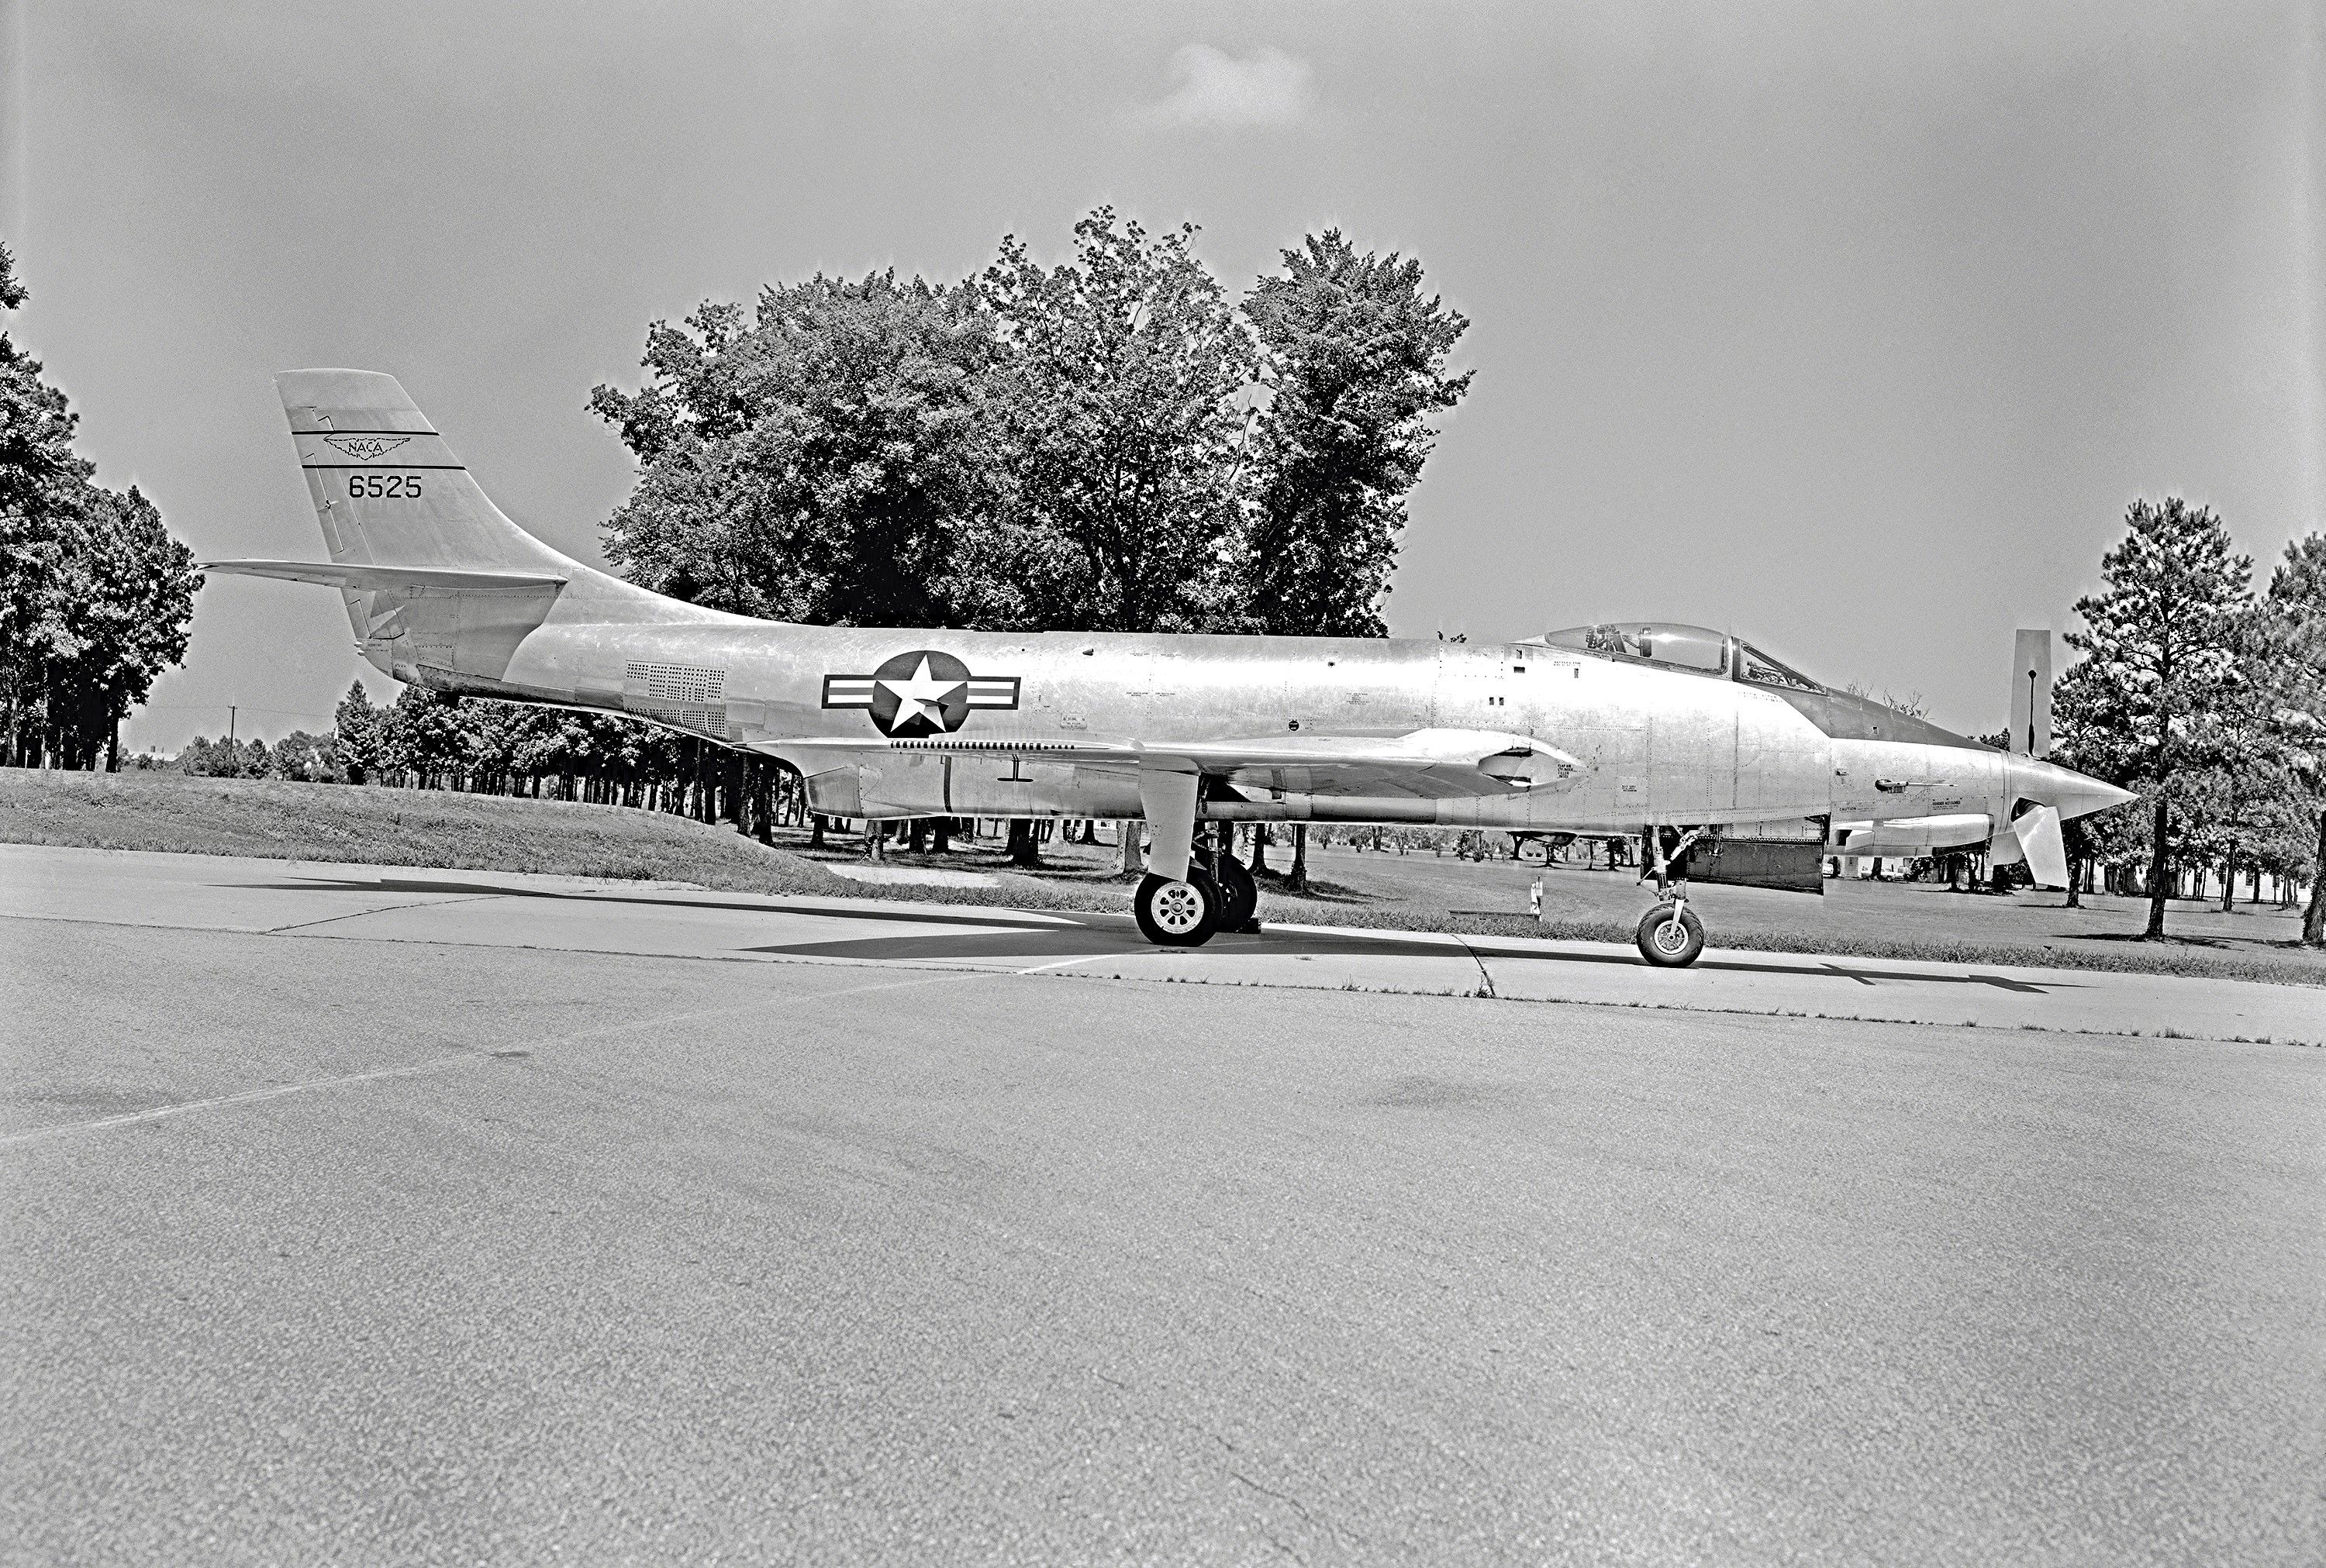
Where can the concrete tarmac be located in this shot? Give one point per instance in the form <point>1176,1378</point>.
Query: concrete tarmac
<point>358,1215</point>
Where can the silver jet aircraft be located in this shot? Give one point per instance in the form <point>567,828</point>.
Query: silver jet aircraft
<point>1730,765</point>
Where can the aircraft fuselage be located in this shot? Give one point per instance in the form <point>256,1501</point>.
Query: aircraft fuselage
<point>1646,744</point>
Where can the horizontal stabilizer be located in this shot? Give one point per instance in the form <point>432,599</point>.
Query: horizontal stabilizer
<point>361,579</point>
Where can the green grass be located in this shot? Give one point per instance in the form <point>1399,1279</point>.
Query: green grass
<point>277,819</point>
<point>334,822</point>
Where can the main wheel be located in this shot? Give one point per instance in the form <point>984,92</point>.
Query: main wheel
<point>1533,852</point>
<point>1668,942</point>
<point>1176,913</point>
<point>1239,896</point>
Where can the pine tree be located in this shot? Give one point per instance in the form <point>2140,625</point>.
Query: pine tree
<point>2160,653</point>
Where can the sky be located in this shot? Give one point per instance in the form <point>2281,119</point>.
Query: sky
<point>1851,327</point>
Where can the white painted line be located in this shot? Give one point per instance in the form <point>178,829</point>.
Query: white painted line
<point>1062,963</point>
<point>458,1058</point>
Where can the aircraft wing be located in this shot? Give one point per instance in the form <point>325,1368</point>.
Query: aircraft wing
<point>1421,764</point>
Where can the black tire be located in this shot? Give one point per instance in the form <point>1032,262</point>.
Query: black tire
<point>1239,896</point>
<point>1163,909</point>
<point>1668,944</point>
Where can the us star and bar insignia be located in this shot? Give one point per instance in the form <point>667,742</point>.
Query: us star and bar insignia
<point>922,692</point>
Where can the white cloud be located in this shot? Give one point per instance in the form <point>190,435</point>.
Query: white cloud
<point>1213,88</point>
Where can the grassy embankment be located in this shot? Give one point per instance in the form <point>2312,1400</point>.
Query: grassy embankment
<point>274,819</point>
<point>331,823</point>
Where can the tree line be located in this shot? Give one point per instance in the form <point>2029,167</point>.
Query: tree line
<point>2208,701</point>
<point>426,739</point>
<point>96,597</point>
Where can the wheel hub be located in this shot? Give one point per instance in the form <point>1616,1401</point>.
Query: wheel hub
<point>1178,908</point>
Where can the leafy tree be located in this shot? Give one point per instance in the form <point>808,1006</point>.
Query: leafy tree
<point>1354,355</point>
<point>2294,612</point>
<point>225,758</point>
<point>314,758</point>
<point>37,466</point>
<point>95,596</point>
<point>1119,406</point>
<point>130,591</point>
<point>424,735</point>
<point>2159,654</point>
<point>829,461</point>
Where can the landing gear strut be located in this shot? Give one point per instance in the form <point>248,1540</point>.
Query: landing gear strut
<point>1669,935</point>
<point>1239,893</point>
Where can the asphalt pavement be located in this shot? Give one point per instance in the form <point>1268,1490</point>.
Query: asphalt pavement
<point>351,1215</point>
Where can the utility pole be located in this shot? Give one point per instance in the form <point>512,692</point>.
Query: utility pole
<point>230,727</point>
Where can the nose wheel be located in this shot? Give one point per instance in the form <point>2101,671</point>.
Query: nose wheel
<point>1670,936</point>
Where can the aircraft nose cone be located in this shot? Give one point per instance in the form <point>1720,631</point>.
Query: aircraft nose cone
<point>2076,795</point>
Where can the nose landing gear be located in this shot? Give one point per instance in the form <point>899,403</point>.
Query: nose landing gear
<point>1669,935</point>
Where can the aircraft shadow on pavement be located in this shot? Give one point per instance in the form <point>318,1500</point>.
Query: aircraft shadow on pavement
<point>1007,934</point>
<point>770,904</point>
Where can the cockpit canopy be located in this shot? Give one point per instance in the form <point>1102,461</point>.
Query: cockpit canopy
<point>1683,647</point>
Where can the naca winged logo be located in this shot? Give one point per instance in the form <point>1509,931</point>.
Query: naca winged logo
<point>364,448</point>
<point>922,692</point>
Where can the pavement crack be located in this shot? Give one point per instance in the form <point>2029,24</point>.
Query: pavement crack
<point>1296,1506</point>
<point>384,909</point>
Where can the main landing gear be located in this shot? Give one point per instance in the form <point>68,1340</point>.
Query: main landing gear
<point>1217,895</point>
<point>1669,935</point>
<point>1176,913</point>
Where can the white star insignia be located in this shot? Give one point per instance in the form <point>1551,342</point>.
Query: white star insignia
<point>922,696</point>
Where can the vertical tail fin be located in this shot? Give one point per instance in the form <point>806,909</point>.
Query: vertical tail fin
<point>387,489</point>
<point>2031,693</point>
<point>437,582</point>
